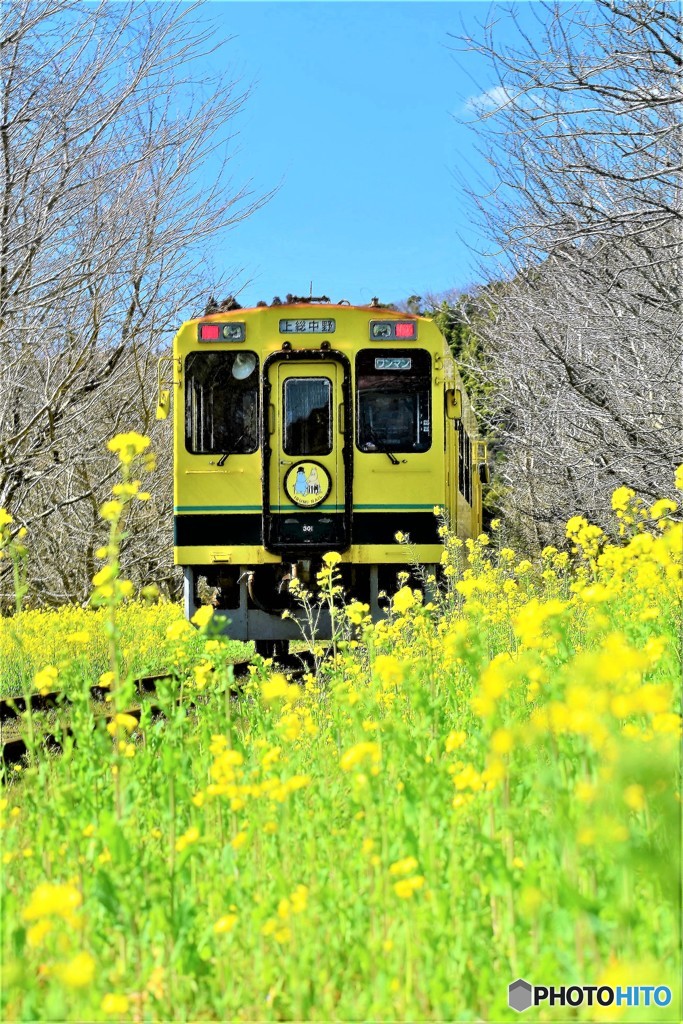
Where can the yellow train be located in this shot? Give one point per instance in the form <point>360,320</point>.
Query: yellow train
<point>307,427</point>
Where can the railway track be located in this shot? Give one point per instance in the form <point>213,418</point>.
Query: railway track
<point>12,709</point>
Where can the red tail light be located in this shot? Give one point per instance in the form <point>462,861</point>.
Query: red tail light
<point>209,332</point>
<point>405,330</point>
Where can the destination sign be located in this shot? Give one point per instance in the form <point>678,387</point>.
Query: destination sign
<point>393,363</point>
<point>308,326</point>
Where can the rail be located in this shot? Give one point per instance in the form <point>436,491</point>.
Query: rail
<point>14,708</point>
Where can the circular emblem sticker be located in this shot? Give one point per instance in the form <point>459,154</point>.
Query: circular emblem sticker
<point>307,484</point>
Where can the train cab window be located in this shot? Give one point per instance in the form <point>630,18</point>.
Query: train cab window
<point>221,403</point>
<point>307,416</point>
<point>393,400</point>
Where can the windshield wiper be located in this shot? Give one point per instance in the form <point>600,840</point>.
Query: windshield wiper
<point>383,448</point>
<point>221,461</point>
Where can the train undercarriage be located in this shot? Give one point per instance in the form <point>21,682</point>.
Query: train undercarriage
<point>253,598</point>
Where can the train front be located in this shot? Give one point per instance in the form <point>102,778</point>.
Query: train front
<point>301,430</point>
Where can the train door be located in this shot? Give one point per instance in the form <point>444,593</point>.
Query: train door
<point>307,504</point>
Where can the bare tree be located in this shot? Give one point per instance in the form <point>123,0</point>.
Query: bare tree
<point>587,386</point>
<point>582,131</point>
<point>104,222</point>
<point>582,128</point>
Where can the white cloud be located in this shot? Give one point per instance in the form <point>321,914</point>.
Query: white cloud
<point>494,98</point>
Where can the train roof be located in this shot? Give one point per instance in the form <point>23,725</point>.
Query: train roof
<point>380,311</point>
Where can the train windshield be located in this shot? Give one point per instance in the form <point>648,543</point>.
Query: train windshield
<point>393,400</point>
<point>308,416</point>
<point>221,402</point>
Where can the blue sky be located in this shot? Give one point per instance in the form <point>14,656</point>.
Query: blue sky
<point>351,115</point>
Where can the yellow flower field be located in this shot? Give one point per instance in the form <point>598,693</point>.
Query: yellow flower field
<point>77,636</point>
<point>482,787</point>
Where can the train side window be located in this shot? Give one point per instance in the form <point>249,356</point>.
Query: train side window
<point>464,464</point>
<point>307,416</point>
<point>393,400</point>
<point>221,403</point>
<point>468,469</point>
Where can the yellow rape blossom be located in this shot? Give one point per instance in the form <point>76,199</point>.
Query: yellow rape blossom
<point>278,688</point>
<point>238,841</point>
<point>52,900</point>
<point>46,679</point>
<point>111,510</point>
<point>366,751</point>
<point>585,791</point>
<point>224,925</point>
<point>662,507</point>
<point>77,972</point>
<point>188,838</point>
<point>114,1003</point>
<point>356,612</point>
<point>299,899</point>
<point>405,866</point>
<point>37,932</point>
<point>388,670</point>
<point>122,721</point>
<point>103,576</point>
<point>178,629</point>
<point>128,446</point>
<point>455,740</point>
<point>81,636</point>
<point>502,741</point>
<point>634,797</point>
<point>202,617</point>
<point>622,498</point>
<point>406,888</point>
<point>403,600</point>
<point>667,723</point>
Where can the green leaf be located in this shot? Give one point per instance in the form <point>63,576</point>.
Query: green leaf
<point>105,893</point>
